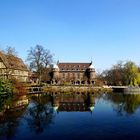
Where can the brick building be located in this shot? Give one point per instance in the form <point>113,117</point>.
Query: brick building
<point>73,73</point>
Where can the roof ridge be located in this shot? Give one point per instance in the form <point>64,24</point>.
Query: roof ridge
<point>74,63</point>
<point>13,62</point>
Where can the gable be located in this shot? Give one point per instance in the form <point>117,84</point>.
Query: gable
<point>2,65</point>
<point>12,62</point>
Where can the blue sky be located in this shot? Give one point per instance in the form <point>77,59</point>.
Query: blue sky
<point>105,31</point>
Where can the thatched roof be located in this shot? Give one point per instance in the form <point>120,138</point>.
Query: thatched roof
<point>12,62</point>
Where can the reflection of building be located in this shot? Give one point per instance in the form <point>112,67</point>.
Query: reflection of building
<point>73,103</point>
<point>19,103</point>
<point>15,109</point>
<point>74,73</point>
<point>13,67</point>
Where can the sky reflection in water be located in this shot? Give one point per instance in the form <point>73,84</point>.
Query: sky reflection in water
<point>71,116</point>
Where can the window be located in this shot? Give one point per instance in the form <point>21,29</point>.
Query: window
<point>63,75</point>
<point>78,75</point>
<point>73,75</point>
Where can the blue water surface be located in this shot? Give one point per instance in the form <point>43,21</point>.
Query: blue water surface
<point>73,117</point>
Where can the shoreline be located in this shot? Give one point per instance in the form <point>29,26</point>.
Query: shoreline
<point>81,89</point>
<point>75,88</point>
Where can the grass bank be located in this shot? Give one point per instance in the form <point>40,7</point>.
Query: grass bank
<point>64,89</point>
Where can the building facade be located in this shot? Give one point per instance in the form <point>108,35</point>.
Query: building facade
<point>13,67</point>
<point>73,73</point>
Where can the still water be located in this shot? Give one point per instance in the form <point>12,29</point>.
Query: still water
<point>71,117</point>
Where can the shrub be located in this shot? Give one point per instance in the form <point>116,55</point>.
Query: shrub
<point>5,86</point>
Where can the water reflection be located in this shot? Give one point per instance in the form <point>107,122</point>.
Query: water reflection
<point>39,113</point>
<point>9,116</point>
<point>73,102</point>
<point>36,113</point>
<point>39,110</point>
<point>124,103</point>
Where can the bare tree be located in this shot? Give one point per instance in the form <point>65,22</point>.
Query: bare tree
<point>11,51</point>
<point>39,59</point>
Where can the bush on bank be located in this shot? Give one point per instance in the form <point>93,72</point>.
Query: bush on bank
<point>6,86</point>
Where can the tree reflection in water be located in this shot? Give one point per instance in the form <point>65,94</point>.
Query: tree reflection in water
<point>42,108</point>
<point>39,113</point>
<point>10,117</point>
<point>34,117</point>
<point>124,104</point>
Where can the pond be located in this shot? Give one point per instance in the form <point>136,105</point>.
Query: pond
<point>71,117</point>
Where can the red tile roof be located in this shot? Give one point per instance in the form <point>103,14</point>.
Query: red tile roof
<point>73,66</point>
